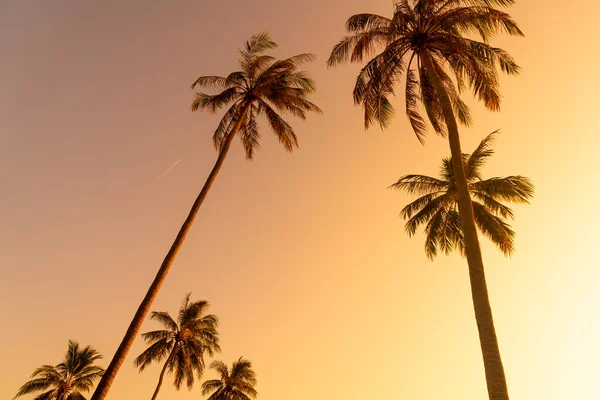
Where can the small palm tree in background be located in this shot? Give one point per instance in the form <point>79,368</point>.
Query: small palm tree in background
<point>235,384</point>
<point>67,380</point>
<point>183,343</point>
<point>263,86</point>
<point>437,208</point>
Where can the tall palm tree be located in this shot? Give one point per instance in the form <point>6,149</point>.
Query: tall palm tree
<point>182,342</point>
<point>437,206</point>
<point>263,86</point>
<point>75,375</point>
<point>432,43</point>
<point>235,384</point>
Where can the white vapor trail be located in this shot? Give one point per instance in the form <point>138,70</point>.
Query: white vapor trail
<point>170,168</point>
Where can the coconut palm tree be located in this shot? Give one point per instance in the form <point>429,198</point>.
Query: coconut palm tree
<point>263,86</point>
<point>235,384</point>
<point>437,206</point>
<point>67,380</point>
<point>432,43</point>
<point>182,343</point>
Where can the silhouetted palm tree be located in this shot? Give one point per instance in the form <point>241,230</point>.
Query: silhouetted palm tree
<point>183,343</point>
<point>263,86</point>
<point>237,384</point>
<point>427,41</point>
<point>67,380</point>
<point>437,206</point>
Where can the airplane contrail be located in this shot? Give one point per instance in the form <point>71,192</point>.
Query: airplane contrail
<point>153,182</point>
<point>170,168</point>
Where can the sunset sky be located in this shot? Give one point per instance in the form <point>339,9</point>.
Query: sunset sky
<point>303,256</point>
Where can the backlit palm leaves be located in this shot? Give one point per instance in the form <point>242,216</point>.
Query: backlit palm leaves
<point>235,384</point>
<point>437,206</point>
<point>431,29</point>
<point>182,343</point>
<point>67,380</point>
<point>263,86</point>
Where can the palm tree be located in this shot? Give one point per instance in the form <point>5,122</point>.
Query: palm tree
<point>182,343</point>
<point>67,380</point>
<point>437,206</point>
<point>432,43</point>
<point>235,384</point>
<point>263,86</point>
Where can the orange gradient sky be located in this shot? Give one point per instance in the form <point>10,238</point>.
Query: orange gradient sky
<point>303,256</point>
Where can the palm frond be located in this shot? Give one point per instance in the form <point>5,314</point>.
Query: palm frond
<point>212,103</point>
<point>236,78</point>
<point>514,189</point>
<point>228,121</point>
<point>432,236</point>
<point>283,130</point>
<point>212,82</point>
<point>210,385</point>
<point>492,205</point>
<point>480,73</point>
<point>367,22</point>
<point>221,368</point>
<point>33,385</point>
<point>427,213</point>
<point>420,184</point>
<point>375,84</point>
<point>494,228</point>
<point>164,319</point>
<point>249,134</point>
<point>156,352</point>
<point>49,395</point>
<point>154,336</point>
<point>259,43</point>
<point>412,98</point>
<point>358,46</point>
<point>431,102</point>
<point>414,207</point>
<point>476,160</point>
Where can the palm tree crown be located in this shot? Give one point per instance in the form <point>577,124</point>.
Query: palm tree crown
<point>235,384</point>
<point>264,85</point>
<point>67,380</point>
<point>183,342</point>
<point>437,208</point>
<point>430,29</point>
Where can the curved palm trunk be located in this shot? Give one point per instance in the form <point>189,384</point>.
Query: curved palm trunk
<point>135,325</point>
<point>162,372</point>
<point>494,370</point>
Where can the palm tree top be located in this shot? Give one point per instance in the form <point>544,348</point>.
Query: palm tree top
<point>183,341</point>
<point>236,383</point>
<point>437,206</point>
<point>67,380</point>
<point>436,29</point>
<point>265,86</point>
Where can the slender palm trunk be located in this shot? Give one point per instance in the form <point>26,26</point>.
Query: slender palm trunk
<point>135,325</point>
<point>162,372</point>
<point>494,370</point>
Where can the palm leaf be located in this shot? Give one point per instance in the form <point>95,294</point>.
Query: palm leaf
<point>476,160</point>
<point>492,226</point>
<point>165,319</point>
<point>515,189</point>
<point>420,184</point>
